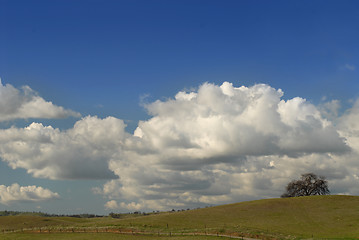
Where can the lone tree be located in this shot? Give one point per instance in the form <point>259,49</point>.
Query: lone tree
<point>309,184</point>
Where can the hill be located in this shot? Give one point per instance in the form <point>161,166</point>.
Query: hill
<point>303,217</point>
<point>330,216</point>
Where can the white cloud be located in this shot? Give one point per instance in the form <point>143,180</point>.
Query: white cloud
<point>224,120</point>
<point>216,145</point>
<point>223,144</point>
<point>24,103</point>
<point>111,205</point>
<point>131,206</point>
<point>17,193</point>
<point>82,152</point>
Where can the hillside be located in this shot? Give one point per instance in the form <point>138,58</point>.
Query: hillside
<point>318,216</point>
<point>303,217</point>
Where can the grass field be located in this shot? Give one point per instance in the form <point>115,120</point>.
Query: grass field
<point>99,236</point>
<point>304,217</point>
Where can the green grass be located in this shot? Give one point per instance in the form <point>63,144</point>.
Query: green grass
<point>98,236</point>
<point>21,222</point>
<point>304,217</point>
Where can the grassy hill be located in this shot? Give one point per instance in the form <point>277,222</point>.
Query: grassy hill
<point>318,216</point>
<point>303,217</point>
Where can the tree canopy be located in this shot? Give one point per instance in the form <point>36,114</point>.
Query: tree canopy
<point>309,184</point>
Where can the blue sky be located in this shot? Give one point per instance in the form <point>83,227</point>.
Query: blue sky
<point>117,58</point>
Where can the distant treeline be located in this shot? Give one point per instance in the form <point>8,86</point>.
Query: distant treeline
<point>139,213</point>
<point>122,215</point>
<point>83,215</point>
<point>41,214</point>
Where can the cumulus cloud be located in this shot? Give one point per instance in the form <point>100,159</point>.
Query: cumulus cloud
<point>82,152</point>
<point>25,103</point>
<point>17,193</point>
<point>111,205</point>
<point>223,144</point>
<point>213,145</point>
<point>224,120</point>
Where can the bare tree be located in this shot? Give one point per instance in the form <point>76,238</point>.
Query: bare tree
<point>309,184</point>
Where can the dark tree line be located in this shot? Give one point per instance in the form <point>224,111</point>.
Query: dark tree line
<point>41,214</point>
<point>309,184</point>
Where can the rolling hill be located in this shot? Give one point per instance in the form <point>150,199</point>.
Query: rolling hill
<point>332,216</point>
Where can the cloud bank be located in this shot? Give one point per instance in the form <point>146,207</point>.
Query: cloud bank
<point>24,103</point>
<point>215,145</point>
<point>82,152</point>
<point>17,193</point>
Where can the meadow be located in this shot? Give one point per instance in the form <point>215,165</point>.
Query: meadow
<point>101,236</point>
<point>318,217</point>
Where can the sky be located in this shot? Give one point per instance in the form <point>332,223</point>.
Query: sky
<point>122,106</point>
